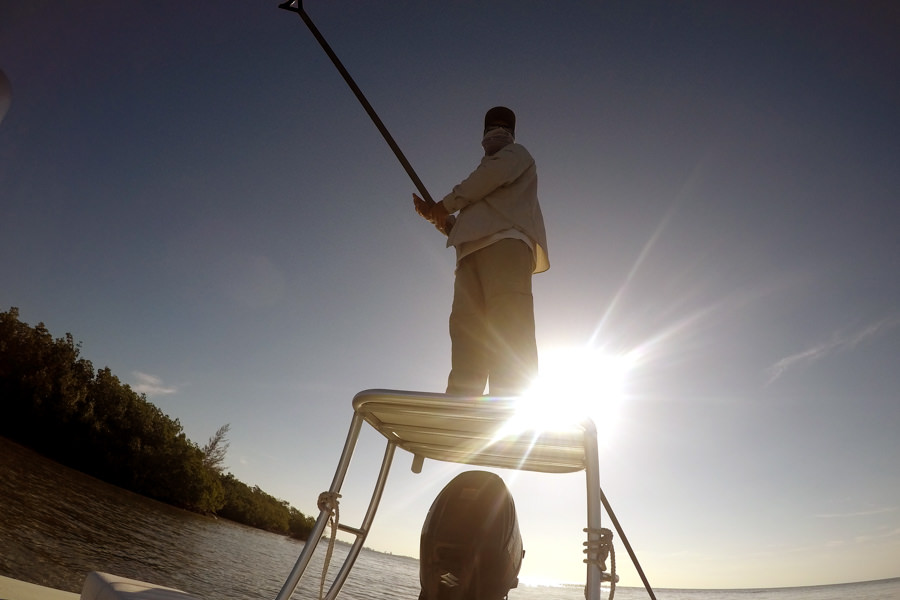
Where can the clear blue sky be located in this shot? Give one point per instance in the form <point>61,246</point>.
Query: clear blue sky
<point>191,190</point>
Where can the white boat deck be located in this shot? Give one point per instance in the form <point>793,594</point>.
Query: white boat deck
<point>13,589</point>
<point>97,586</point>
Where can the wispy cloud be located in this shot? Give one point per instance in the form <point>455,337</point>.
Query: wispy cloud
<point>880,535</point>
<point>866,538</point>
<point>840,341</point>
<point>151,385</point>
<point>859,513</point>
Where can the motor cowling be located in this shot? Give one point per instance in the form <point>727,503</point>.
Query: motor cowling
<point>470,548</point>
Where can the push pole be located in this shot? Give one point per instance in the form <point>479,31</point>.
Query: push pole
<point>297,7</point>
<point>637,565</point>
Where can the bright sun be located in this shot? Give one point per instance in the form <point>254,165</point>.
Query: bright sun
<point>575,383</point>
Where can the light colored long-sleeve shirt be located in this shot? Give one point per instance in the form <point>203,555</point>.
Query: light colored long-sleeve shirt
<point>500,195</point>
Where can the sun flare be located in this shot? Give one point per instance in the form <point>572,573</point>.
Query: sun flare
<point>574,384</point>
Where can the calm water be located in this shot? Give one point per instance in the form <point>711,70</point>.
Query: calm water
<point>56,525</point>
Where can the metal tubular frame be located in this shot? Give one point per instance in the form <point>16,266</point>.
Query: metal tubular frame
<point>466,431</point>
<point>361,532</point>
<point>592,479</point>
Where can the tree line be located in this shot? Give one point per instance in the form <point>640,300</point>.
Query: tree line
<point>54,402</point>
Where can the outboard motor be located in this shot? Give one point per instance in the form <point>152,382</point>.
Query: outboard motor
<point>470,547</point>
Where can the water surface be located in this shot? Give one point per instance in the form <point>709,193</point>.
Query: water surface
<point>56,525</point>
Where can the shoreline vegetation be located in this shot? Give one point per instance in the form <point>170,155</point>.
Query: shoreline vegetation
<point>55,403</point>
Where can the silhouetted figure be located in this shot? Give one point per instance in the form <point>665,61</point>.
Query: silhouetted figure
<point>500,242</point>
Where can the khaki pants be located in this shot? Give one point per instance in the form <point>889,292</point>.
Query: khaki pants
<point>492,322</point>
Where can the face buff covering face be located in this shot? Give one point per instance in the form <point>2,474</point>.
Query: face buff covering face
<point>495,139</point>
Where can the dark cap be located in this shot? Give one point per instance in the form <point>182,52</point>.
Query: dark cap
<point>500,116</point>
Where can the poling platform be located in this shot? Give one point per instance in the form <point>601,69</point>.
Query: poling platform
<point>478,431</point>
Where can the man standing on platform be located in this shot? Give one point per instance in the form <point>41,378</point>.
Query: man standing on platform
<point>500,242</point>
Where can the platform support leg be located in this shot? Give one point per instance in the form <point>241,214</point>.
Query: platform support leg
<point>324,514</point>
<point>363,531</point>
<point>594,574</point>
